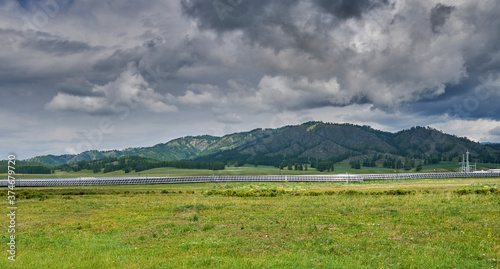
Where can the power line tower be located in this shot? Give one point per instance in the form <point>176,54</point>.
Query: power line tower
<point>466,167</point>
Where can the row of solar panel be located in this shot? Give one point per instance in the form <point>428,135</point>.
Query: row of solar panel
<point>200,179</point>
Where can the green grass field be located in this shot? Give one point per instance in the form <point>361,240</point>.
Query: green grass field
<point>307,225</point>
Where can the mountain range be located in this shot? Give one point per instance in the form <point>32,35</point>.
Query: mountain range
<point>311,140</point>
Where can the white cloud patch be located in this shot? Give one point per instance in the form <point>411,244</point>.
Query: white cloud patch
<point>129,89</point>
<point>198,94</point>
<point>481,130</point>
<point>227,117</point>
<point>63,101</point>
<point>286,93</point>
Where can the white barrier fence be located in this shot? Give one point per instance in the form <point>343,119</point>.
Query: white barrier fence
<point>200,179</point>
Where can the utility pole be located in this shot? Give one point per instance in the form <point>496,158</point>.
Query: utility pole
<point>467,167</point>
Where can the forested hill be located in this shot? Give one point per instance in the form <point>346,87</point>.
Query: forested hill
<point>305,142</point>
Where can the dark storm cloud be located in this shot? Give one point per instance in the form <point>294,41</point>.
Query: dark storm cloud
<point>228,15</point>
<point>57,46</point>
<point>461,107</point>
<point>26,51</point>
<point>378,52</point>
<point>346,9</point>
<point>495,131</point>
<point>24,33</point>
<point>472,99</point>
<point>483,52</point>
<point>222,15</point>
<point>265,23</point>
<point>110,66</point>
<point>439,15</point>
<point>78,86</point>
<point>155,61</point>
<point>273,24</point>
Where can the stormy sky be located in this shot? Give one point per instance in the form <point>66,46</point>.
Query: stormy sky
<point>97,74</point>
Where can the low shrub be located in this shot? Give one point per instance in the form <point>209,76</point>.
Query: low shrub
<point>27,194</point>
<point>376,193</point>
<point>350,192</point>
<point>463,191</point>
<point>483,191</point>
<point>247,193</point>
<point>399,192</point>
<point>312,193</point>
<point>275,192</point>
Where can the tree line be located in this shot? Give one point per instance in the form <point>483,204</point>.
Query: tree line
<point>135,163</point>
<point>26,168</point>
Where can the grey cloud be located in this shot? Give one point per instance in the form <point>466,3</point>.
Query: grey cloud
<point>44,42</point>
<point>257,20</point>
<point>25,33</point>
<point>58,47</point>
<point>229,17</point>
<point>129,90</point>
<point>112,64</point>
<point>310,39</point>
<point>41,58</point>
<point>225,115</point>
<point>495,131</point>
<point>224,15</point>
<point>316,47</point>
<point>78,86</point>
<point>439,15</point>
<point>279,24</point>
<point>156,59</point>
<point>460,107</point>
<point>482,51</point>
<point>270,24</point>
<point>346,9</point>
<point>469,100</point>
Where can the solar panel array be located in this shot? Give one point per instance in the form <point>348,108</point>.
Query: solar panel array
<point>200,179</point>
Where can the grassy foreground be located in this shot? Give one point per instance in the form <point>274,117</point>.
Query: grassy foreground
<point>307,225</point>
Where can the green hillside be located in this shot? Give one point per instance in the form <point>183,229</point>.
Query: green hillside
<point>306,143</point>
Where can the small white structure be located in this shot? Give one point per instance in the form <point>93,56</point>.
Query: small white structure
<point>466,167</point>
<point>494,170</point>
